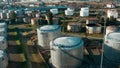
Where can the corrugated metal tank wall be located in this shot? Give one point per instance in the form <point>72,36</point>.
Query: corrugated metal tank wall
<point>67,52</point>
<point>48,33</point>
<point>112,47</point>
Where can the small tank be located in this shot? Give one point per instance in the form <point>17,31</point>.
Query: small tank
<point>93,28</point>
<point>66,52</point>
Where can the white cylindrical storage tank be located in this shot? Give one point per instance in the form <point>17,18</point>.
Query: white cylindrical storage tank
<point>47,33</point>
<point>69,12</point>
<point>3,32</point>
<point>3,59</point>
<point>3,15</point>
<point>54,11</point>
<point>93,28</point>
<point>110,29</point>
<point>3,25</point>
<point>112,47</point>
<point>67,52</point>
<point>112,12</point>
<point>3,43</point>
<point>84,11</point>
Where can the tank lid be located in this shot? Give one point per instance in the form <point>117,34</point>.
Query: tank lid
<point>48,28</point>
<point>2,53</point>
<point>68,42</point>
<point>114,36</point>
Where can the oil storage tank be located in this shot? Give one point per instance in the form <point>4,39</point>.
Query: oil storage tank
<point>3,43</point>
<point>112,47</point>
<point>84,11</point>
<point>112,28</point>
<point>54,11</point>
<point>93,28</point>
<point>47,33</point>
<point>3,59</point>
<point>66,52</point>
<point>69,11</point>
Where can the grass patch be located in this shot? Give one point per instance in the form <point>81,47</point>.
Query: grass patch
<point>18,42</point>
<point>12,33</point>
<point>17,57</point>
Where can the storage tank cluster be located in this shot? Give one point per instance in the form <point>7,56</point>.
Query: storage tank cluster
<point>93,28</point>
<point>84,11</point>
<point>54,11</point>
<point>3,45</point>
<point>112,47</point>
<point>66,52</point>
<point>112,12</point>
<point>69,11</point>
<point>47,33</point>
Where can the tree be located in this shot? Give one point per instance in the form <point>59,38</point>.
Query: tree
<point>112,19</point>
<point>13,16</point>
<point>49,17</point>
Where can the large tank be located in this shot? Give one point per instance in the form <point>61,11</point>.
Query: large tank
<point>3,43</point>
<point>112,47</point>
<point>54,11</point>
<point>110,29</point>
<point>47,33</point>
<point>3,59</point>
<point>84,11</point>
<point>66,52</point>
<point>93,28</point>
<point>69,12</point>
<point>112,12</point>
